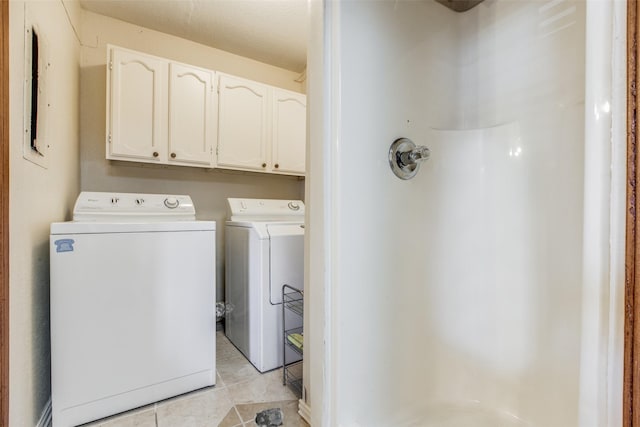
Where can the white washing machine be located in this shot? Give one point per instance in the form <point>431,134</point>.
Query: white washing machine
<point>264,249</point>
<point>132,304</point>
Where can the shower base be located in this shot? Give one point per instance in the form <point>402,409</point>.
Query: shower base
<point>465,415</point>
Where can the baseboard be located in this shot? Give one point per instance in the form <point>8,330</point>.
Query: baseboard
<point>305,411</point>
<point>45,417</point>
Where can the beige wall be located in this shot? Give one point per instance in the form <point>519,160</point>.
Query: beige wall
<point>39,196</point>
<point>208,188</point>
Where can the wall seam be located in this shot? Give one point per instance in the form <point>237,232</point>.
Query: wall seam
<point>75,32</point>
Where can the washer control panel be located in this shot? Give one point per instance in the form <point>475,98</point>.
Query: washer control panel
<point>97,206</point>
<point>171,202</point>
<point>294,206</point>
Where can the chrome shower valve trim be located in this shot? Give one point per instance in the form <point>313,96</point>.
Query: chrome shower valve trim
<point>405,157</point>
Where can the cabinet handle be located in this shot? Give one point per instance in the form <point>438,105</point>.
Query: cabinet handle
<point>155,154</point>
<point>173,155</point>
<point>277,166</point>
<point>264,165</point>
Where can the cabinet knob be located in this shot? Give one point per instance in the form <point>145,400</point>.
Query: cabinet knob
<point>264,165</point>
<point>173,155</point>
<point>155,154</point>
<point>277,166</point>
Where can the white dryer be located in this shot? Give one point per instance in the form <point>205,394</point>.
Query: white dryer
<point>264,250</point>
<point>132,304</point>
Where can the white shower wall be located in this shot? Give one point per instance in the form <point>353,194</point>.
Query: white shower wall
<point>457,295</point>
<point>397,78</point>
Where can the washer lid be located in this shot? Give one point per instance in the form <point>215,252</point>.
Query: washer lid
<point>95,227</point>
<point>132,207</point>
<point>265,210</point>
<point>284,230</point>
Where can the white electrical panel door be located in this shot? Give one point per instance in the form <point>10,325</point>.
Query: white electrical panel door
<point>191,116</point>
<point>289,132</point>
<point>137,107</point>
<point>132,320</point>
<point>243,129</point>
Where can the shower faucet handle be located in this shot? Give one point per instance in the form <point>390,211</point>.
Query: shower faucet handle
<point>404,156</point>
<point>409,158</point>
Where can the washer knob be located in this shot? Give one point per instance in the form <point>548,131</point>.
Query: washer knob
<point>171,202</point>
<point>294,206</point>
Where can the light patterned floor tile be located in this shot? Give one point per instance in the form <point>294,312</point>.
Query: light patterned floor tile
<point>289,408</point>
<point>219,382</point>
<point>202,409</point>
<point>137,418</point>
<point>232,366</point>
<point>224,348</point>
<point>264,388</point>
<point>231,420</point>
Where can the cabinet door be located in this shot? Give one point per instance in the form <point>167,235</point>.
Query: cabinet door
<point>191,119</point>
<point>242,124</point>
<point>137,110</point>
<point>289,131</point>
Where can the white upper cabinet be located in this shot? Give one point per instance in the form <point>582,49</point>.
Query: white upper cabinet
<point>165,112</point>
<point>191,115</point>
<point>242,124</point>
<point>136,107</point>
<point>289,131</point>
<point>159,111</point>
<point>260,127</point>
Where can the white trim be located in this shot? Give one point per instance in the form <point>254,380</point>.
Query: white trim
<point>332,210</point>
<point>322,196</point>
<point>45,418</point>
<point>617,231</point>
<point>315,258</point>
<point>304,411</point>
<point>603,232</point>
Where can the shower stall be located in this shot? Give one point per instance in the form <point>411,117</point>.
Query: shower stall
<point>487,289</point>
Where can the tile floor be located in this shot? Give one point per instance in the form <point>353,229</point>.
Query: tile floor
<point>240,392</point>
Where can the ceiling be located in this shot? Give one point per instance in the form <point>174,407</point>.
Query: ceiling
<point>270,31</point>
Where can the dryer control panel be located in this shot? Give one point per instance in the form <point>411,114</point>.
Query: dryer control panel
<point>265,210</point>
<point>97,206</point>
